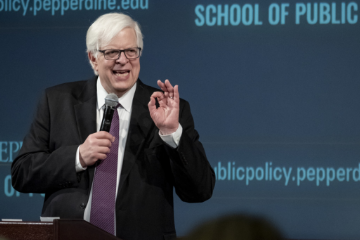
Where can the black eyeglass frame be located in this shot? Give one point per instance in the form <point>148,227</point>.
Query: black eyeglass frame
<point>120,51</point>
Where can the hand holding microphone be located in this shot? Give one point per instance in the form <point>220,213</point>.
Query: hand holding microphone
<point>97,145</point>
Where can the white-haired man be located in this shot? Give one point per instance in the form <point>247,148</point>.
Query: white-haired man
<point>155,145</point>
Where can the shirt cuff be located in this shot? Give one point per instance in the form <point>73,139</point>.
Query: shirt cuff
<point>78,166</point>
<point>172,139</point>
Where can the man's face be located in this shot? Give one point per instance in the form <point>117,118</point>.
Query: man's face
<point>118,76</point>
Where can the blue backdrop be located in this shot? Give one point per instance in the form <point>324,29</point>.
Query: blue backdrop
<point>273,88</point>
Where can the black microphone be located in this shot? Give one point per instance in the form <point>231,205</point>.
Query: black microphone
<point>111,101</point>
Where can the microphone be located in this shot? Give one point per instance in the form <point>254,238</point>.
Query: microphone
<point>111,101</point>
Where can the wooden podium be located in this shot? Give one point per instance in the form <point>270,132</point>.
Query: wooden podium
<point>59,229</point>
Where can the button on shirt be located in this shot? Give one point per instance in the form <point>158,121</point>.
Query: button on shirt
<point>124,112</point>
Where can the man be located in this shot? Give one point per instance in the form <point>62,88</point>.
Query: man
<point>155,145</point>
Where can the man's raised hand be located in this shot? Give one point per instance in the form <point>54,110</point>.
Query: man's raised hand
<point>166,116</point>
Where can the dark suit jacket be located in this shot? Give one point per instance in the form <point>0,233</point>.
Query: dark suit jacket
<point>65,117</point>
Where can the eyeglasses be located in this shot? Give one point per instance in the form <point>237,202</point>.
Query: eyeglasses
<point>114,54</point>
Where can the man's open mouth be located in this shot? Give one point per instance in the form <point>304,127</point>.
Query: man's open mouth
<point>123,73</point>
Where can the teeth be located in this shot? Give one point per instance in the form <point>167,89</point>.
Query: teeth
<point>122,74</point>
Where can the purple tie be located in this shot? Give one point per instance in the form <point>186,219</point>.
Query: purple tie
<point>104,184</point>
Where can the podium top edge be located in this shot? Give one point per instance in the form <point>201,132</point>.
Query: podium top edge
<point>26,223</point>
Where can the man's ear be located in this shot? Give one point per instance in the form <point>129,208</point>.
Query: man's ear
<point>93,60</point>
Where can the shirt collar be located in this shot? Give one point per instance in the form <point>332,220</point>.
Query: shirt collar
<point>125,100</point>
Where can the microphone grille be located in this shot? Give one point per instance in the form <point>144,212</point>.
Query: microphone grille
<point>111,100</point>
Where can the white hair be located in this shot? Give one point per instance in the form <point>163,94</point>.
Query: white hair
<point>105,28</point>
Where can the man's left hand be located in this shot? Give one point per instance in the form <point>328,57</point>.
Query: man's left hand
<point>166,116</point>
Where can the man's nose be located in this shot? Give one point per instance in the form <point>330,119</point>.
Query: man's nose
<point>122,59</point>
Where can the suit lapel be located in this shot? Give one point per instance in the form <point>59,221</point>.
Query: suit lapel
<point>85,112</point>
<point>140,129</point>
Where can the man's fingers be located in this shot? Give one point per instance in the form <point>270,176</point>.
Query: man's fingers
<point>158,95</point>
<point>96,146</point>
<point>161,85</point>
<point>169,88</point>
<point>104,142</point>
<point>104,135</point>
<point>151,105</point>
<point>168,85</point>
<point>161,98</point>
<point>103,150</point>
<point>100,156</point>
<point>176,93</point>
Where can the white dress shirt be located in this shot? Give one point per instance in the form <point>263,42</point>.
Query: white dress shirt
<point>124,112</point>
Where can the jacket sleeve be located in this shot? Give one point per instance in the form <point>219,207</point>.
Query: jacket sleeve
<point>194,178</point>
<point>43,165</point>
